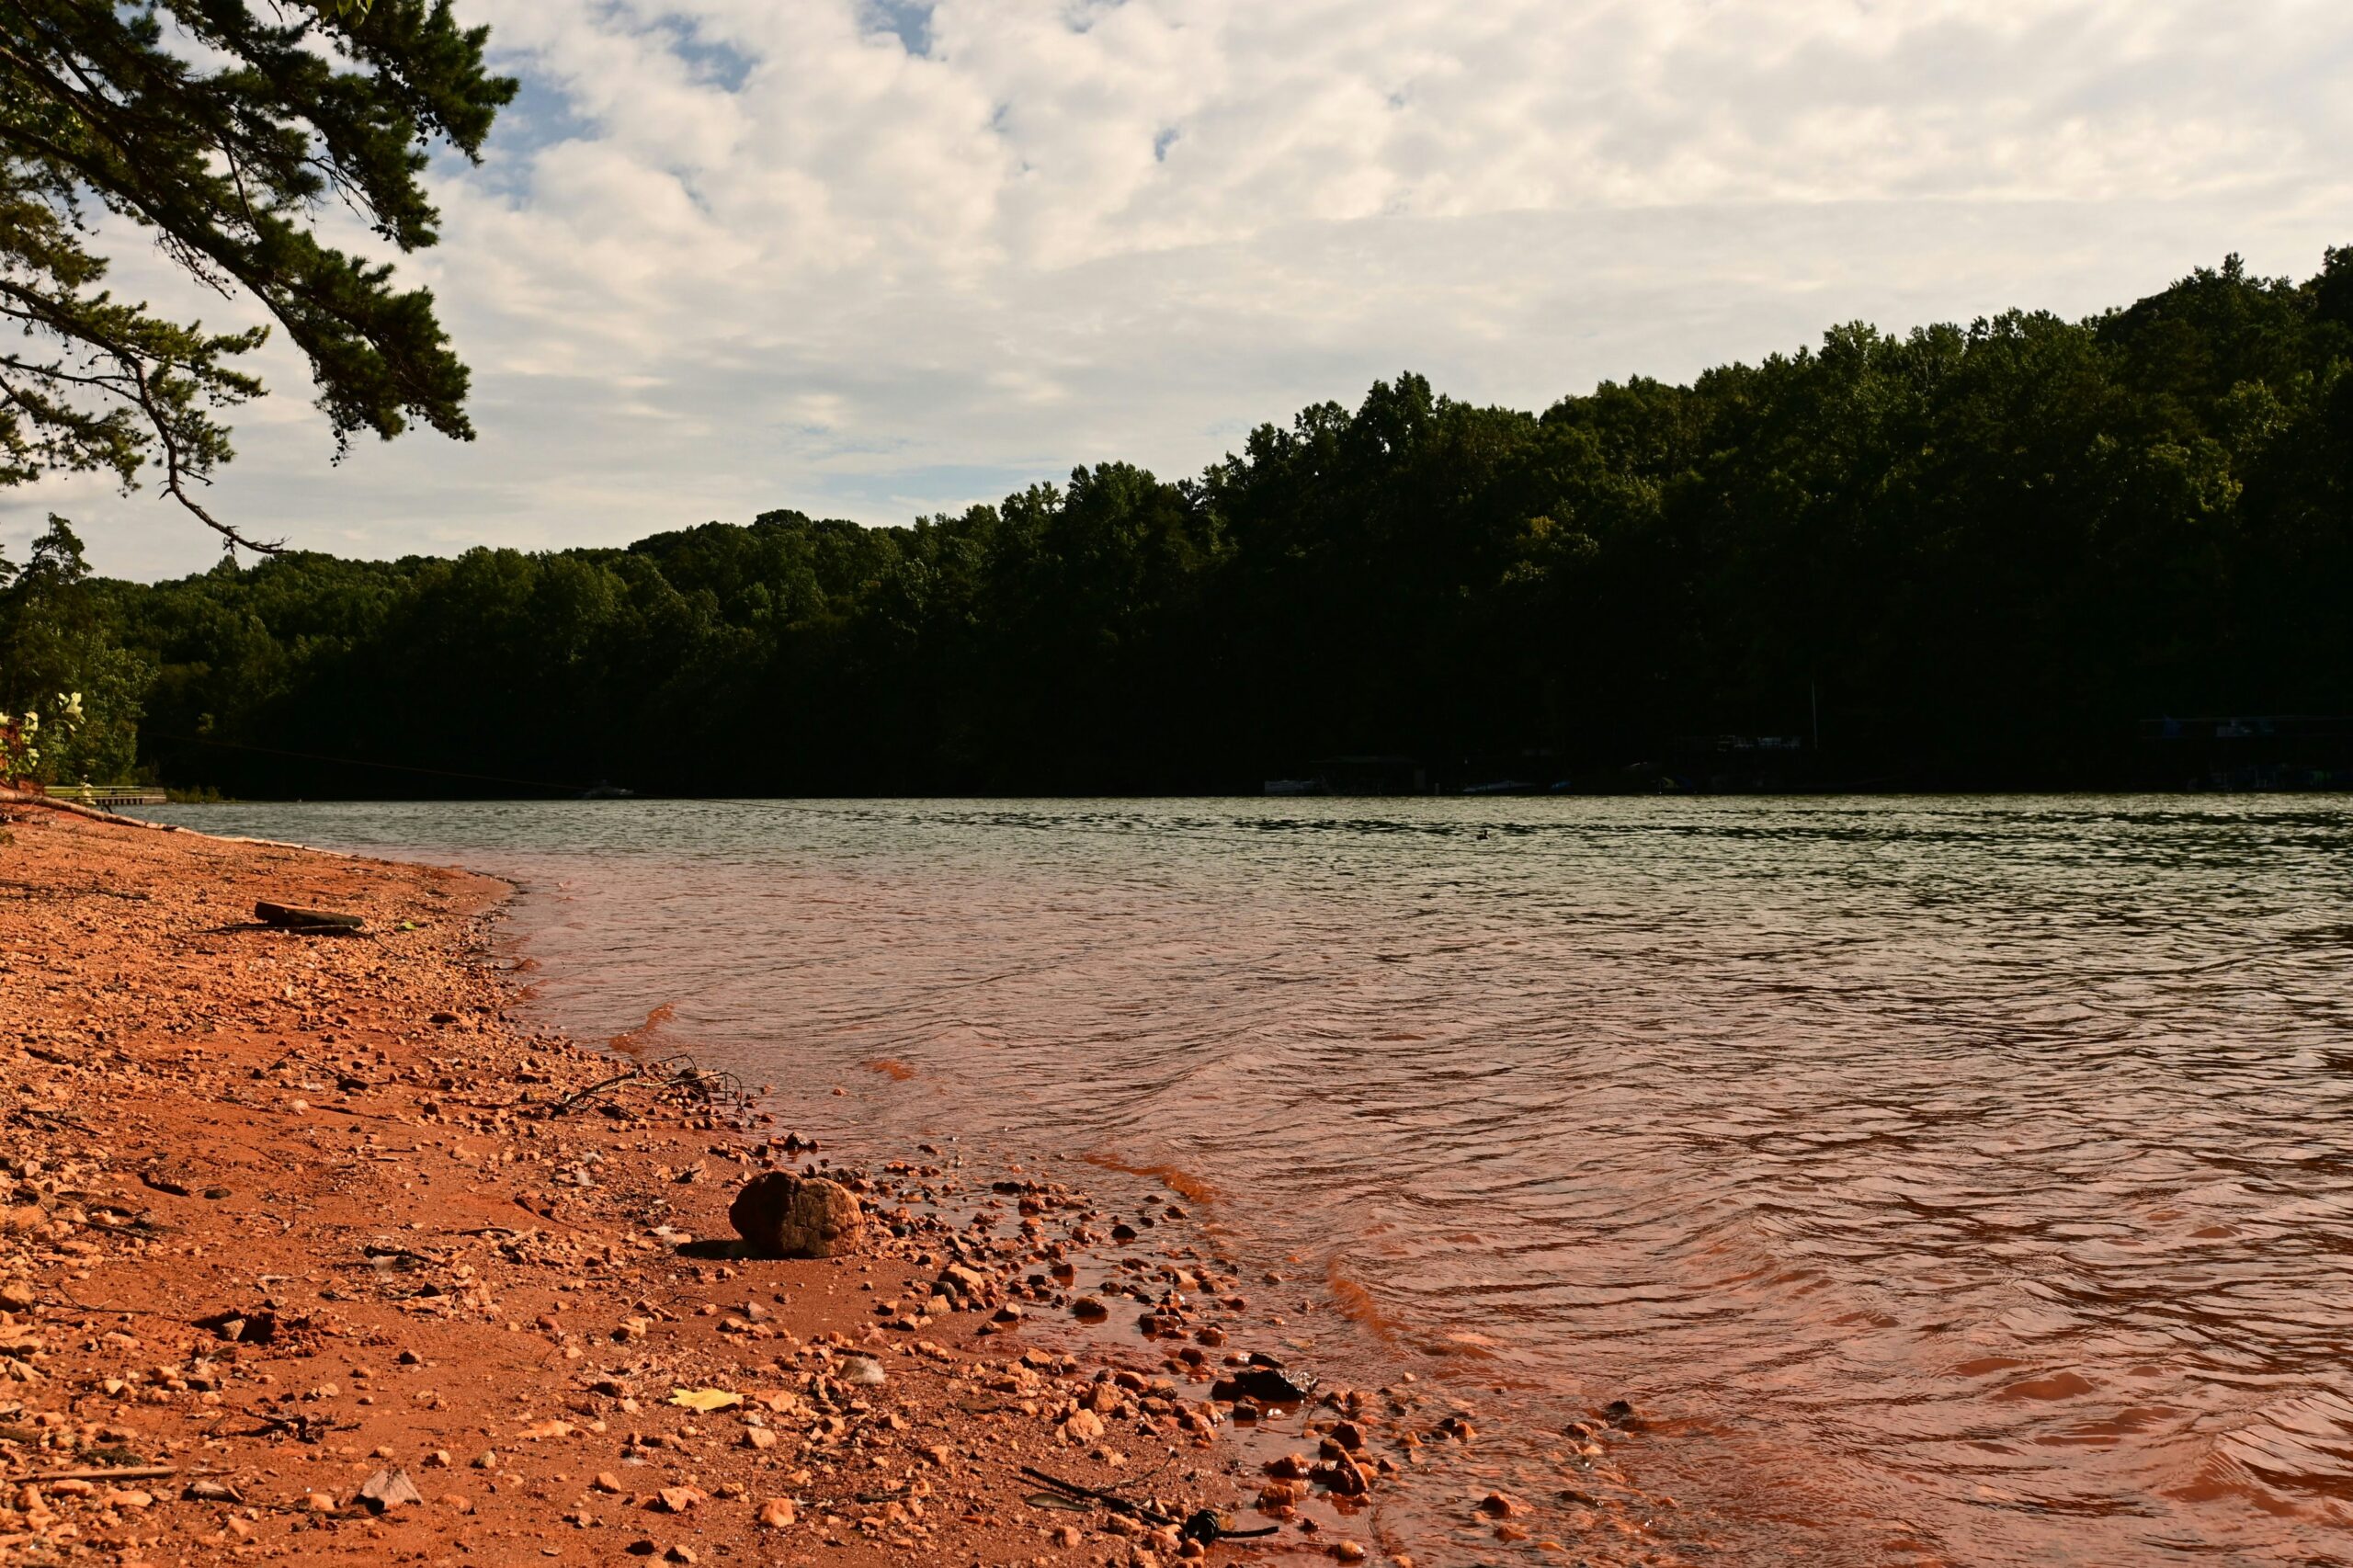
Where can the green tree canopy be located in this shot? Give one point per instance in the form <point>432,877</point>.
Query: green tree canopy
<point>59,660</point>
<point>224,128</point>
<point>2021,551</point>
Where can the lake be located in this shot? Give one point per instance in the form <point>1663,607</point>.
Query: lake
<point>1949,1180</point>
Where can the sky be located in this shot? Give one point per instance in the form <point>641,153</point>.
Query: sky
<point>880,258</point>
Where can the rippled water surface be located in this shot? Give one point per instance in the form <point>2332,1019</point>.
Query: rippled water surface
<point>1955,1180</point>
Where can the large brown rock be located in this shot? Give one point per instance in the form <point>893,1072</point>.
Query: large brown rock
<point>783,1215</point>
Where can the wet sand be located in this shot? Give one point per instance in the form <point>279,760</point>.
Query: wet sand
<point>291,1211</point>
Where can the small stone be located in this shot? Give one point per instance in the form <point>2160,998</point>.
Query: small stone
<point>1497,1505</point>
<point>387,1489</point>
<point>679,1499</point>
<point>486,1459</point>
<point>607,1482</point>
<point>1342,1476</point>
<point>18,1296</point>
<point>164,1178</point>
<point>759,1438</point>
<point>680,1553</point>
<point>438,1459</point>
<point>776,1513</point>
<point>319,1503</point>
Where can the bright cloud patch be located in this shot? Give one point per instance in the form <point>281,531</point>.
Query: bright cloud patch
<point>874,258</point>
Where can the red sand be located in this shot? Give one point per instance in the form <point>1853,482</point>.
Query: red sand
<point>289,1211</point>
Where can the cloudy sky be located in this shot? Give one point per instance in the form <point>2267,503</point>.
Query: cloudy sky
<point>873,258</point>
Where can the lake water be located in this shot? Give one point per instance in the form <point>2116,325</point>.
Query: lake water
<point>1952,1180</point>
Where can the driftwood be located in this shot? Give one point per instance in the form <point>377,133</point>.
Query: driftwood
<point>76,808</point>
<point>293,919</point>
<point>675,1071</point>
<point>1110,1500</point>
<point>123,1473</point>
<point>1202,1525</point>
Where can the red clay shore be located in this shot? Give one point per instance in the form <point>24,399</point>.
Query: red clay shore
<point>291,1218</point>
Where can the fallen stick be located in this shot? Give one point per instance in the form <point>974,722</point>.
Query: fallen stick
<point>570,1100</point>
<point>1203,1526</point>
<point>120,1472</point>
<point>1109,1499</point>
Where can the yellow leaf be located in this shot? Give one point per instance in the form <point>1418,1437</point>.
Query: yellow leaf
<point>705,1399</point>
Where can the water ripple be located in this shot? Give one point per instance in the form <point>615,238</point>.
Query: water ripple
<point>1954,1180</point>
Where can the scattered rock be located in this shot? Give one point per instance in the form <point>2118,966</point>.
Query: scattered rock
<point>1266,1385</point>
<point>1341,1476</point>
<point>164,1178</point>
<point>387,1489</point>
<point>256,1327</point>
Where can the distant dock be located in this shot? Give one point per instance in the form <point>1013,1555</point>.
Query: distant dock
<point>108,794</point>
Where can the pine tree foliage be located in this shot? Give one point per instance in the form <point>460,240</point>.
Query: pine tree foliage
<point>226,130</point>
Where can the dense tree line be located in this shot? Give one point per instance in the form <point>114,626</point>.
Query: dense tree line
<point>1971,556</point>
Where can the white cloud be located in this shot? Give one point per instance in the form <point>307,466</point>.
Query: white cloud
<point>735,255</point>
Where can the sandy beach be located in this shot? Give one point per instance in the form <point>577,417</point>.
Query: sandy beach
<point>313,1252</point>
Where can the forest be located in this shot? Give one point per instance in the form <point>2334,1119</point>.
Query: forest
<point>2028,553</point>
